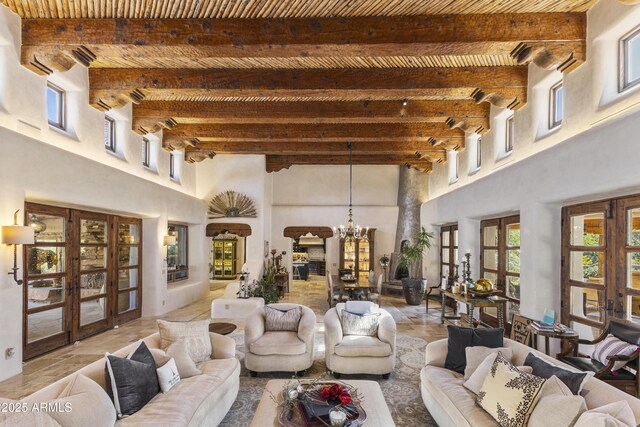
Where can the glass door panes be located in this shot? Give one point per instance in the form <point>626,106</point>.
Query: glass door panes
<point>92,267</point>
<point>500,261</point>
<point>449,258</point>
<point>224,258</point>
<point>128,268</point>
<point>350,255</point>
<point>363,258</point>
<point>47,272</point>
<point>587,287</point>
<point>628,275</point>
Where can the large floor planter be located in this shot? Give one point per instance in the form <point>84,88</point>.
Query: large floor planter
<point>414,290</point>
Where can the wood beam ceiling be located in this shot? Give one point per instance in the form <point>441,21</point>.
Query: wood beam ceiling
<point>151,116</point>
<point>112,87</point>
<point>276,163</point>
<point>428,133</point>
<point>140,43</point>
<point>296,79</point>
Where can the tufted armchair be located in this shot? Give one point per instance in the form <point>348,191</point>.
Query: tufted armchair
<point>354,354</point>
<point>267,351</point>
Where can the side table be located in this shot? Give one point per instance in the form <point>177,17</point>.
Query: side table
<point>571,337</point>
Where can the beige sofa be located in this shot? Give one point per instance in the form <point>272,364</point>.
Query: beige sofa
<point>280,351</point>
<point>202,400</point>
<point>451,404</point>
<point>354,354</point>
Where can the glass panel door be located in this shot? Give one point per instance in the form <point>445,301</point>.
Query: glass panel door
<point>92,267</point>
<point>46,285</point>
<point>628,274</point>
<point>350,256</point>
<point>128,267</point>
<point>588,294</point>
<point>363,258</point>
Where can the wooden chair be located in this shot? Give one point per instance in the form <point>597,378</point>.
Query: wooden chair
<point>625,379</point>
<point>520,330</point>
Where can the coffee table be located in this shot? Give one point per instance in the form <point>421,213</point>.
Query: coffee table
<point>222,328</point>
<point>373,403</point>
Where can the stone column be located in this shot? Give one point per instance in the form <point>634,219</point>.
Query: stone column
<point>413,191</point>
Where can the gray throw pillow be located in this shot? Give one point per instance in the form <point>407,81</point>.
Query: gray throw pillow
<point>131,382</point>
<point>360,324</point>
<point>282,320</point>
<point>543,369</point>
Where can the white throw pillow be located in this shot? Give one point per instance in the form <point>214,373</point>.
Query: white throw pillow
<point>168,375</point>
<point>477,354</point>
<point>509,395</point>
<point>616,414</point>
<point>556,398</point>
<point>195,334</point>
<point>361,307</point>
<point>178,352</point>
<point>282,320</point>
<point>475,381</point>
<point>360,324</point>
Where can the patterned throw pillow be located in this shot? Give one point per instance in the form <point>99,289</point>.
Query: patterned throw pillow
<point>359,324</point>
<point>508,394</point>
<point>194,333</point>
<point>282,320</point>
<point>612,346</point>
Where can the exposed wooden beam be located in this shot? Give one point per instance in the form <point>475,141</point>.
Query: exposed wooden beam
<point>151,116</point>
<point>320,148</point>
<point>115,87</point>
<point>88,40</point>
<point>276,163</point>
<point>313,132</point>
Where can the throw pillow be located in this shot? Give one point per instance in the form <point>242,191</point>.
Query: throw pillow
<point>476,355</point>
<point>557,399</point>
<point>475,381</point>
<point>195,334</point>
<point>132,381</point>
<point>574,380</point>
<point>357,324</point>
<point>361,307</point>
<point>460,338</point>
<point>282,320</point>
<point>616,414</point>
<point>509,395</point>
<point>90,404</point>
<point>178,352</point>
<point>168,375</point>
<point>612,346</point>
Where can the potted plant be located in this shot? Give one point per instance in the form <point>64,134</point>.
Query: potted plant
<point>266,287</point>
<point>415,286</point>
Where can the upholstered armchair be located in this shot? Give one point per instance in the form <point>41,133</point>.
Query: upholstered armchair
<point>356,354</point>
<point>286,351</point>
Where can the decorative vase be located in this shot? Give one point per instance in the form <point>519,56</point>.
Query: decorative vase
<point>414,290</point>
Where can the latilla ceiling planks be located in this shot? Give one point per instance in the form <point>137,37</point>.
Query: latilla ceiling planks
<point>332,70</point>
<point>280,8</point>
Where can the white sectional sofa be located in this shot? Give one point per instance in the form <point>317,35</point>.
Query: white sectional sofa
<point>451,404</point>
<point>202,400</point>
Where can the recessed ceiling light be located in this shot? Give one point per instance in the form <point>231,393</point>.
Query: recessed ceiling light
<point>404,102</point>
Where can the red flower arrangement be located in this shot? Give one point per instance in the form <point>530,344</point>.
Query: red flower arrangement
<point>335,392</point>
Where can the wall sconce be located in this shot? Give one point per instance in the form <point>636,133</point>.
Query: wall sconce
<point>17,235</point>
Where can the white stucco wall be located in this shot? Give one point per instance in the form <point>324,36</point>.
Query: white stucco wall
<point>31,170</point>
<point>599,163</point>
<point>23,109</point>
<point>319,196</point>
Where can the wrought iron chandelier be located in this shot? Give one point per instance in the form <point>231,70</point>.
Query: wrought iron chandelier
<point>351,233</point>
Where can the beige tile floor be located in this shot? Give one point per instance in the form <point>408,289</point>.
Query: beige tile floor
<point>46,369</point>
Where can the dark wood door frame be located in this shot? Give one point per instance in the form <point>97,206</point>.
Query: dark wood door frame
<point>72,330</point>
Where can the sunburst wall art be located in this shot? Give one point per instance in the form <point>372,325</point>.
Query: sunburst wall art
<point>230,204</point>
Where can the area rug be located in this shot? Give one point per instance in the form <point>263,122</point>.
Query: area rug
<point>401,390</point>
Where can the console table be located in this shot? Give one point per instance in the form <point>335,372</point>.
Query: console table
<point>472,302</point>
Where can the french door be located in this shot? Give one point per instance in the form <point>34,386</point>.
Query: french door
<point>82,275</point>
<point>600,263</point>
